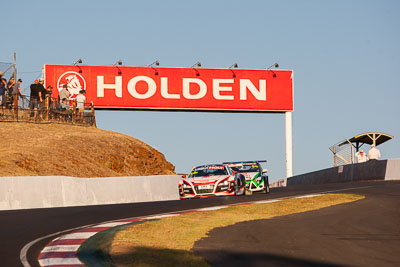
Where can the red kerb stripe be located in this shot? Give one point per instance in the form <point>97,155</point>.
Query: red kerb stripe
<point>46,255</point>
<point>67,242</point>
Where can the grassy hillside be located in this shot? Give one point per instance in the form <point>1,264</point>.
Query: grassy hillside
<point>56,149</point>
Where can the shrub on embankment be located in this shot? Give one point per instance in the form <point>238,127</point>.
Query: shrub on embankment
<point>30,149</point>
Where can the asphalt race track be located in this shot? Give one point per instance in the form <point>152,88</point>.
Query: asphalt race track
<point>18,228</point>
<point>362,233</point>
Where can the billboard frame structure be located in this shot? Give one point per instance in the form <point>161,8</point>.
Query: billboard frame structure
<point>182,89</point>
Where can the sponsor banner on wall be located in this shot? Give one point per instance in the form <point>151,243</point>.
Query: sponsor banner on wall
<point>154,88</point>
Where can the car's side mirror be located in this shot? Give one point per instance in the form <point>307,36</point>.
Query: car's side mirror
<point>184,176</point>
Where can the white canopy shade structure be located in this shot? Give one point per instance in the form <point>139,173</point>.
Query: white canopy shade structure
<point>344,151</point>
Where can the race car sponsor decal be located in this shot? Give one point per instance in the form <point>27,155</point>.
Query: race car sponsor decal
<point>212,167</point>
<point>216,167</point>
<point>253,164</point>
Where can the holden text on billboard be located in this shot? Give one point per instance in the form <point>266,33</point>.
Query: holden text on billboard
<point>111,87</point>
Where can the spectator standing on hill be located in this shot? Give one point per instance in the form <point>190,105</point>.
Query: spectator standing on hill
<point>35,98</point>
<point>374,153</point>
<point>41,85</point>
<point>64,93</point>
<point>3,86</point>
<point>49,90</point>
<point>16,92</point>
<point>42,89</point>
<point>10,85</point>
<point>80,103</point>
<point>42,102</point>
<point>361,156</point>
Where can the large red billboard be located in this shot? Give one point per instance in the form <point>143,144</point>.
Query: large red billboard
<point>155,88</point>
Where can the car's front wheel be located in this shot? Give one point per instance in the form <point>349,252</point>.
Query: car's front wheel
<point>240,187</point>
<point>266,186</point>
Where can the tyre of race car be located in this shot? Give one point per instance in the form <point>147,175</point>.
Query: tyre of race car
<point>248,192</point>
<point>242,191</point>
<point>266,186</point>
<point>243,184</point>
<point>238,185</point>
<point>236,188</point>
<point>238,191</point>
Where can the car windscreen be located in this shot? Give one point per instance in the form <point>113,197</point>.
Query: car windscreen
<point>245,167</point>
<point>211,170</point>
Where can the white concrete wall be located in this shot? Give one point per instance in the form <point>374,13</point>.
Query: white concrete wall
<point>28,192</point>
<point>393,169</point>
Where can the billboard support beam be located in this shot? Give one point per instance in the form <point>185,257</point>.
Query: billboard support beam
<point>289,152</point>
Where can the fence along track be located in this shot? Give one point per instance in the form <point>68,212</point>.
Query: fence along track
<point>49,111</point>
<point>343,153</point>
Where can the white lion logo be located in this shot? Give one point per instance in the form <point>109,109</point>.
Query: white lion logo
<point>73,83</point>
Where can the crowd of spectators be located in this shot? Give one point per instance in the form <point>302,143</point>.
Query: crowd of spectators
<point>40,100</point>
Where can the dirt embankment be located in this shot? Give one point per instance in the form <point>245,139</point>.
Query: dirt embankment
<point>55,149</point>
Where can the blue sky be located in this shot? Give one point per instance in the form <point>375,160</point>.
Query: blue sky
<point>344,54</point>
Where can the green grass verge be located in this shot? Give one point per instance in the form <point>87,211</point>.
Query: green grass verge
<point>168,241</point>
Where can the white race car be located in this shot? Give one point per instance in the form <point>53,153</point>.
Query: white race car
<point>211,180</point>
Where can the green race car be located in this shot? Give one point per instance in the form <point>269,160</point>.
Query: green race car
<point>255,176</point>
